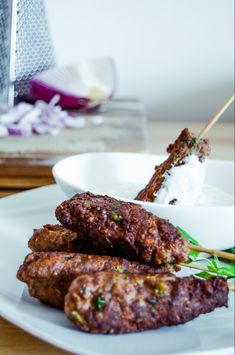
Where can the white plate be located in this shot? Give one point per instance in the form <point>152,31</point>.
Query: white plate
<point>209,334</point>
<point>123,175</point>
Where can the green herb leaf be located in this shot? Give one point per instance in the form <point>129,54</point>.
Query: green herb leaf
<point>159,288</point>
<point>226,271</point>
<point>214,264</point>
<point>223,271</point>
<point>193,254</point>
<point>214,268</point>
<point>204,275</point>
<point>116,204</point>
<point>116,217</point>
<point>152,302</point>
<point>194,140</point>
<point>226,261</point>
<point>118,269</point>
<point>100,304</point>
<point>76,316</point>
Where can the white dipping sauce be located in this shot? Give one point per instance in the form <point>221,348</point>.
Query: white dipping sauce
<point>210,195</point>
<point>213,196</point>
<point>183,183</point>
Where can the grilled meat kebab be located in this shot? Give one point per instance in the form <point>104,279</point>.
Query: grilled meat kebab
<point>57,238</point>
<point>124,229</point>
<point>180,178</point>
<point>108,294</point>
<point>109,302</point>
<point>49,274</point>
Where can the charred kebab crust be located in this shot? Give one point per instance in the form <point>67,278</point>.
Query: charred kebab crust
<point>52,238</point>
<point>111,303</point>
<point>185,145</point>
<point>124,229</point>
<point>49,274</point>
<point>58,238</point>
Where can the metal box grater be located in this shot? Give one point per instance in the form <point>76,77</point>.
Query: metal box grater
<point>25,46</point>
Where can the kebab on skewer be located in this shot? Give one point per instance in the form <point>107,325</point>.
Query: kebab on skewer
<point>113,303</point>
<point>124,229</point>
<point>179,179</point>
<point>49,274</point>
<point>55,237</point>
<point>117,228</point>
<point>58,238</point>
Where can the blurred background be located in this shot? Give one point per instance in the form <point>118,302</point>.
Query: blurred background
<point>60,94</point>
<point>176,56</point>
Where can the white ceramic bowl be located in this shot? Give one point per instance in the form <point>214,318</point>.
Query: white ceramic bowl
<point>122,175</point>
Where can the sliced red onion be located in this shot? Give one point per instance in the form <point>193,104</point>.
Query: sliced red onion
<point>85,85</point>
<point>31,117</point>
<point>41,118</point>
<point>20,130</point>
<point>43,128</point>
<point>40,128</point>
<point>15,114</point>
<point>8,118</point>
<point>54,100</point>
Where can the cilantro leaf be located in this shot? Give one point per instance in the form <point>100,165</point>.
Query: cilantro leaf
<point>100,302</point>
<point>213,263</point>
<point>204,275</point>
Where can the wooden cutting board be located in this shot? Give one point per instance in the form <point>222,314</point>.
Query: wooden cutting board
<point>26,162</point>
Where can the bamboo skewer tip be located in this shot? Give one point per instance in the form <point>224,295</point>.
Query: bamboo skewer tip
<point>221,254</point>
<point>216,117</point>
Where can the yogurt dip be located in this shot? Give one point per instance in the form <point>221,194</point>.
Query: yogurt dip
<point>183,184</point>
<point>209,196</point>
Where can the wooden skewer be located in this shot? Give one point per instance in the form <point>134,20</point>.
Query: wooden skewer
<point>196,266</point>
<point>215,118</point>
<point>220,254</point>
<point>203,268</point>
<point>231,287</point>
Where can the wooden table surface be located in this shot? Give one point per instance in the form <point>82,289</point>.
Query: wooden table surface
<point>14,340</point>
